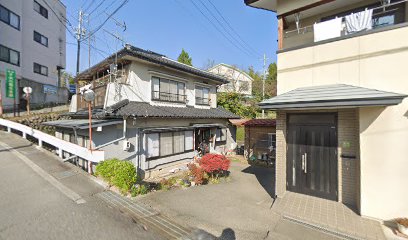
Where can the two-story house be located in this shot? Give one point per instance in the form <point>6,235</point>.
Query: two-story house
<point>342,112</point>
<point>151,110</point>
<point>239,81</point>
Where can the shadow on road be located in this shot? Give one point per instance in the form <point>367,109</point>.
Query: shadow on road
<point>265,177</point>
<point>199,234</point>
<point>24,146</point>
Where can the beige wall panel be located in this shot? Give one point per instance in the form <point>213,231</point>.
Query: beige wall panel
<point>384,165</point>
<point>349,72</point>
<point>296,58</point>
<point>336,50</point>
<point>290,80</point>
<point>326,74</point>
<point>383,41</point>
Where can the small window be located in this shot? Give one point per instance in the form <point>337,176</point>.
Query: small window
<point>40,9</point>
<point>152,145</point>
<point>9,55</point>
<point>202,95</point>
<point>189,140</point>
<point>40,39</point>
<point>169,143</point>
<point>40,69</point>
<point>166,143</point>
<point>221,135</point>
<point>9,17</point>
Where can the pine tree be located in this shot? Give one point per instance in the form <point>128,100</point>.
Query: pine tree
<point>185,58</point>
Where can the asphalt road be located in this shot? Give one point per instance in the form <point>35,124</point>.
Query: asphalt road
<point>33,206</point>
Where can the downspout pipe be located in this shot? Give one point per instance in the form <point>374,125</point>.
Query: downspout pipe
<point>116,140</point>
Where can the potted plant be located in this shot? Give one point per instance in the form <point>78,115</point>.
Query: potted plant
<point>402,224</point>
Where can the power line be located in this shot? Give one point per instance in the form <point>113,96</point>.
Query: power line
<point>233,30</point>
<point>93,10</point>
<point>226,30</point>
<point>103,23</point>
<point>56,15</point>
<point>216,27</point>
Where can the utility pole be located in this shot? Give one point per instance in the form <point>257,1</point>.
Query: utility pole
<point>79,36</point>
<point>263,82</point>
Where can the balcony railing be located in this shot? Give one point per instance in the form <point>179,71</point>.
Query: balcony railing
<point>383,16</point>
<point>202,101</point>
<point>169,97</point>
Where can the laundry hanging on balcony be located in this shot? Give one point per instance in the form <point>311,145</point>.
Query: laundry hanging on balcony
<point>328,29</point>
<point>360,21</point>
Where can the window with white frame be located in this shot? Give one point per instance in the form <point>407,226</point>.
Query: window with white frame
<point>202,95</point>
<point>9,17</point>
<point>168,90</point>
<point>168,143</point>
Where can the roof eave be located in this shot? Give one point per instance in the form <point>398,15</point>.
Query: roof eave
<point>251,3</point>
<point>353,103</point>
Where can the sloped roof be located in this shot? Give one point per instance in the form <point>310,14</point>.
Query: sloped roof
<point>231,67</point>
<point>146,110</point>
<point>332,96</point>
<point>261,122</point>
<point>152,57</point>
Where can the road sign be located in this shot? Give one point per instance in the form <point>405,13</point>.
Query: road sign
<point>27,90</point>
<point>11,83</point>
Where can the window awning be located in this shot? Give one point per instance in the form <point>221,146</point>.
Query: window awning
<point>82,123</point>
<point>166,129</point>
<point>331,96</point>
<point>209,125</point>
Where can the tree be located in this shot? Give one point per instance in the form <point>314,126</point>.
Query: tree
<point>270,82</point>
<point>66,77</point>
<point>185,58</point>
<point>209,64</point>
<point>235,103</point>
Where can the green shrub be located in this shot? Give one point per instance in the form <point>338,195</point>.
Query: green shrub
<point>138,190</point>
<point>121,174</point>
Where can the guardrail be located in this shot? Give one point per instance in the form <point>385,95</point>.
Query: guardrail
<point>60,145</point>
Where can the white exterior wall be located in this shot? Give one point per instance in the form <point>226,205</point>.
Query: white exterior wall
<point>236,77</point>
<point>138,86</point>
<point>31,51</point>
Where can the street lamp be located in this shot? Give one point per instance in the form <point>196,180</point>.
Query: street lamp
<point>89,97</point>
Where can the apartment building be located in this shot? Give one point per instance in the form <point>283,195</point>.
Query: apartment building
<point>32,44</point>
<point>151,110</point>
<point>342,111</point>
<point>239,80</point>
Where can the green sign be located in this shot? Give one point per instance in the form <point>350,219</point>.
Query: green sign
<point>11,83</point>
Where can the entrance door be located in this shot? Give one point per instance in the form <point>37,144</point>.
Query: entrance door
<point>312,155</point>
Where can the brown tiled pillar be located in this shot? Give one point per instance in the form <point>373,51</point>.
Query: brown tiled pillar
<point>349,157</point>
<point>280,169</point>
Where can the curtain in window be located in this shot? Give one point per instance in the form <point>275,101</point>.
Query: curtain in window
<point>156,88</point>
<point>180,91</point>
<point>173,91</point>
<point>164,89</point>
<point>189,140</point>
<point>152,145</point>
<point>178,142</point>
<point>14,20</point>
<point>4,54</point>
<point>14,57</point>
<point>166,144</point>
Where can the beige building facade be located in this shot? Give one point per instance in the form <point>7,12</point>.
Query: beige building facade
<point>371,136</point>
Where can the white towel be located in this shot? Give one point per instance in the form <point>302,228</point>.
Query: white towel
<point>360,21</point>
<point>328,29</point>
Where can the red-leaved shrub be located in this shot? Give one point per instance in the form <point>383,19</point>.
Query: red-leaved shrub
<point>214,163</point>
<point>197,172</point>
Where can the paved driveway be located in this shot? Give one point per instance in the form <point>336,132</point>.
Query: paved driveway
<point>238,209</point>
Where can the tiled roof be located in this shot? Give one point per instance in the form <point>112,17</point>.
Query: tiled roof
<point>152,57</point>
<point>261,122</point>
<point>143,109</point>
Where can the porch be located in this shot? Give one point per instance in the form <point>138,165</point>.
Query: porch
<point>331,217</point>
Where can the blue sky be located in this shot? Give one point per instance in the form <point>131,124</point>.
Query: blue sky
<point>167,26</point>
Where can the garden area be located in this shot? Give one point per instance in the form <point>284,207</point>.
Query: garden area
<point>122,175</point>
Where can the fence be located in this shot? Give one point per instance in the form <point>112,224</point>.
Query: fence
<point>60,145</point>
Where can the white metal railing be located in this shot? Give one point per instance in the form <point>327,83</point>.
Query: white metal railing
<point>61,145</point>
